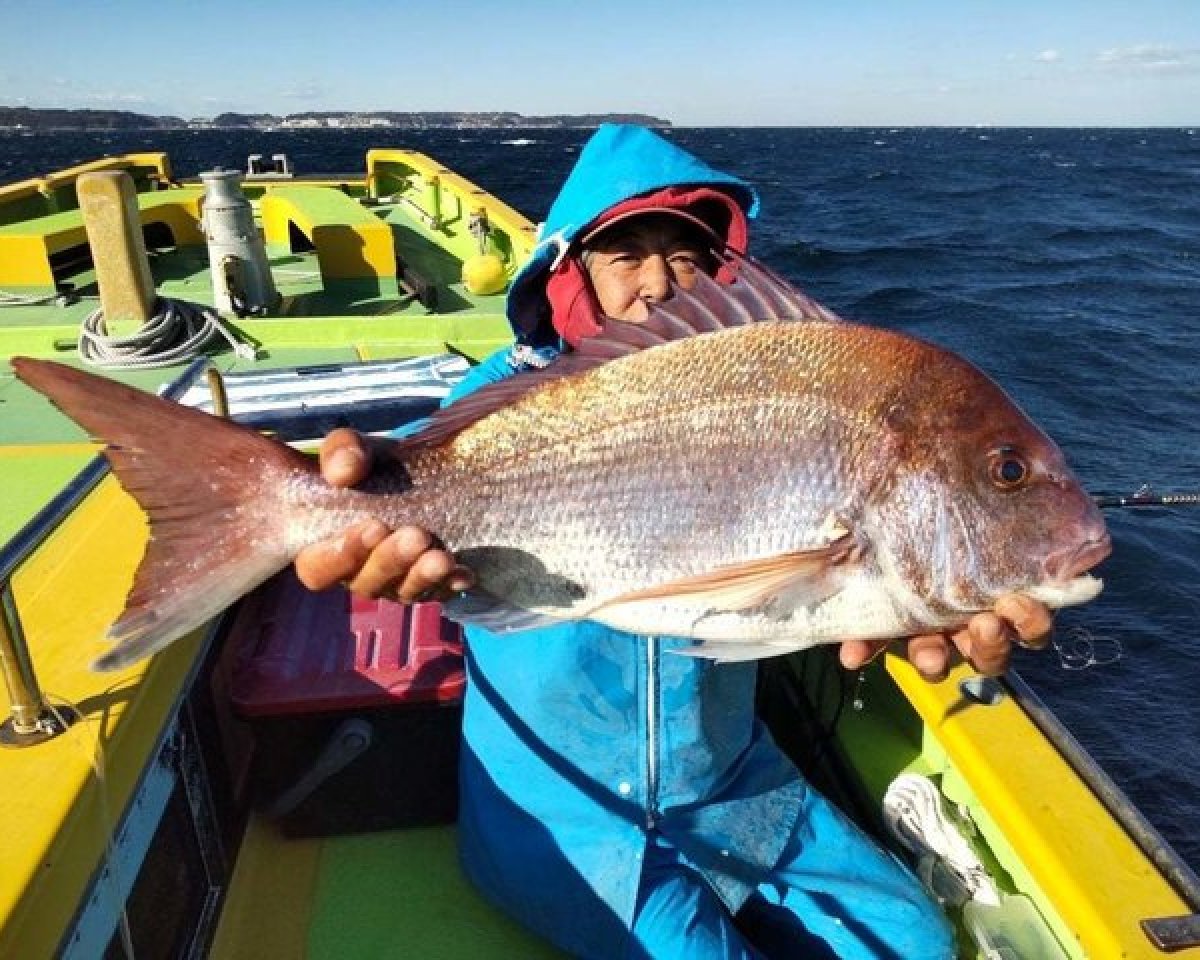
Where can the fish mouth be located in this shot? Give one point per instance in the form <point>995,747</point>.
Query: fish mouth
<point>1065,565</point>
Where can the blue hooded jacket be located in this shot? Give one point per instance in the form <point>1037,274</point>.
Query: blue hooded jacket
<point>618,162</point>
<point>583,744</point>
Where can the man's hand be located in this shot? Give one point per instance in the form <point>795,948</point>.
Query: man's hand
<point>368,558</point>
<point>986,641</point>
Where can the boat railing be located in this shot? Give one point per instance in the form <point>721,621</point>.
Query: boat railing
<point>31,718</point>
<point>1166,933</point>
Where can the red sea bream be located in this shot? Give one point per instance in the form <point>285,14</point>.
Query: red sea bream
<point>742,469</point>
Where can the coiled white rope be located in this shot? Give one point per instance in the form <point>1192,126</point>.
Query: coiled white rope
<point>178,330</point>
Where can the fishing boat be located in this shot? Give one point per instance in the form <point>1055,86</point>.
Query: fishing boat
<point>281,782</point>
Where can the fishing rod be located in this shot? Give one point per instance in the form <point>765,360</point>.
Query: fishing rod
<point>1145,497</point>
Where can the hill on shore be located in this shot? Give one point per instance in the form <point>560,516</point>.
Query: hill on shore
<point>31,118</point>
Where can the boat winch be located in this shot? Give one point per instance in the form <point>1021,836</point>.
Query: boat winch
<point>241,276</point>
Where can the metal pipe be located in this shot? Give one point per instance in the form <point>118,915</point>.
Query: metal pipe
<point>23,691</point>
<point>32,720</point>
<point>435,202</point>
<point>216,387</point>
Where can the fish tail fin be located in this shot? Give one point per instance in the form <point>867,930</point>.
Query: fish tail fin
<point>213,492</point>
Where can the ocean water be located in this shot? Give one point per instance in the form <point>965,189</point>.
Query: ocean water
<point>1065,263</point>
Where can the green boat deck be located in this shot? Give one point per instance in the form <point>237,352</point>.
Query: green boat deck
<point>397,893</point>
<point>321,320</point>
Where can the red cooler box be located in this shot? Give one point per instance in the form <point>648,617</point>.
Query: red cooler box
<point>356,707</point>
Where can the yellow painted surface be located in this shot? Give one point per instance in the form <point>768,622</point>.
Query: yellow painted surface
<point>269,903</point>
<point>20,189</point>
<point>156,162</point>
<point>351,242</point>
<point>1043,822</point>
<point>61,799</point>
<point>26,247</point>
<point>521,233</point>
<point>23,451</point>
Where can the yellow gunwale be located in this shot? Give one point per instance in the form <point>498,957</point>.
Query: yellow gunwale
<point>58,814</point>
<point>1045,826</point>
<point>156,164</point>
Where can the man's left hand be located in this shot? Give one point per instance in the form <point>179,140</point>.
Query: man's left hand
<point>986,641</point>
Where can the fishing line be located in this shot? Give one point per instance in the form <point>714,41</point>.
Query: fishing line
<point>95,759</point>
<point>1144,496</point>
<point>1080,649</point>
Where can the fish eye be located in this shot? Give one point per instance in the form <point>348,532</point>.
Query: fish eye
<point>1007,469</point>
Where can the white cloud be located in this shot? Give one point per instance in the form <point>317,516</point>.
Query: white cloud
<point>1047,56</point>
<point>109,97</point>
<point>309,91</point>
<point>1151,57</point>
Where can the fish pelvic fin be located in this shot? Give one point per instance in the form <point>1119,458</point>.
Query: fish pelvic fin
<point>1079,590</point>
<point>480,608</point>
<point>730,651</point>
<point>212,490</point>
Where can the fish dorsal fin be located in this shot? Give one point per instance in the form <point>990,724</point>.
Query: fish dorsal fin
<point>757,295</point>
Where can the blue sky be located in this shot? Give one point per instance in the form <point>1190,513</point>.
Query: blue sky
<point>792,62</point>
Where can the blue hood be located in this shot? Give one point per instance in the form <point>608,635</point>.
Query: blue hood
<point>617,163</point>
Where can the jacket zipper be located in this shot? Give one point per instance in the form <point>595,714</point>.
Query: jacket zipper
<point>652,731</point>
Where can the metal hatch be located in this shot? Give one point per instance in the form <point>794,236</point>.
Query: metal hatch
<point>306,402</point>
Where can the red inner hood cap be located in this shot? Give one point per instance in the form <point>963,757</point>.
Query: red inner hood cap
<point>576,313</point>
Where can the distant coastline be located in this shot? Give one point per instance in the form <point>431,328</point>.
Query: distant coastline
<point>79,121</point>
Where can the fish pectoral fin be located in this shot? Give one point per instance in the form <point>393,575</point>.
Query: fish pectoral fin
<point>786,581</point>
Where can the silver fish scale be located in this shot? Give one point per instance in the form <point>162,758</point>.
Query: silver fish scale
<point>641,473</point>
<point>688,458</point>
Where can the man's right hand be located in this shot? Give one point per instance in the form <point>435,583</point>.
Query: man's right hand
<point>368,558</point>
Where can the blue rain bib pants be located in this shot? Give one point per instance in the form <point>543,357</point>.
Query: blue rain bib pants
<point>624,801</point>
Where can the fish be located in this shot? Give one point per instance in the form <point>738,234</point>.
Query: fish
<point>744,468</point>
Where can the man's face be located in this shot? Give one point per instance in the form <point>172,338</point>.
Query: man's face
<point>634,263</point>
